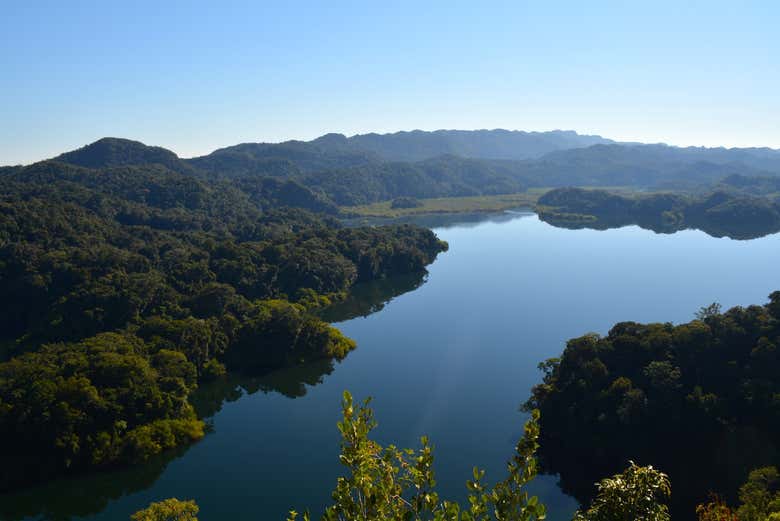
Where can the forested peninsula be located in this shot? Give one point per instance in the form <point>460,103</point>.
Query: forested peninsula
<point>722,213</point>
<point>129,280</point>
<point>699,400</point>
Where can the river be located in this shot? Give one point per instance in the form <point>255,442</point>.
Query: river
<point>451,354</point>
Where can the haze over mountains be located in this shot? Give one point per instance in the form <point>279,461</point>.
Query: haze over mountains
<point>340,170</point>
<point>491,144</point>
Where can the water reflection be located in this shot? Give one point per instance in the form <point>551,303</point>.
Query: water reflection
<point>443,220</point>
<point>738,229</point>
<point>368,298</point>
<point>87,495</point>
<point>734,229</point>
<point>291,382</point>
<point>65,498</point>
<point>696,467</point>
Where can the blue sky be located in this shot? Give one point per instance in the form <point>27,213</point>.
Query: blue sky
<point>193,76</point>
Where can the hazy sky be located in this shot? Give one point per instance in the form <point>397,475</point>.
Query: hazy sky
<point>193,76</point>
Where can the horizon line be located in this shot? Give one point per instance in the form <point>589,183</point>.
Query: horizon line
<point>614,141</point>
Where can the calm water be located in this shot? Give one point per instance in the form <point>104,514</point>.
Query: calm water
<point>452,355</point>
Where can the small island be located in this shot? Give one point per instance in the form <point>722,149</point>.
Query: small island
<point>720,213</point>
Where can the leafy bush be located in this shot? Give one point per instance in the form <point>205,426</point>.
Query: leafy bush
<point>168,510</point>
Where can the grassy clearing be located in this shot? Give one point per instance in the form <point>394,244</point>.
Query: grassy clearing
<point>481,203</point>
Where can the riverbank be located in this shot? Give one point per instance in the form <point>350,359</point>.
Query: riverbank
<point>475,204</point>
<point>465,205</point>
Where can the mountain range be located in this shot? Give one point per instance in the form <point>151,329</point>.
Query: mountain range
<point>338,170</point>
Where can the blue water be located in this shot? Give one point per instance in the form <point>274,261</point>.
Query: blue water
<point>454,359</point>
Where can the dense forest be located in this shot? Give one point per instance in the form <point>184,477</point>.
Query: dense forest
<point>696,399</point>
<point>132,283</point>
<point>731,213</point>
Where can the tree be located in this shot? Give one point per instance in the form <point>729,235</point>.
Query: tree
<point>706,312</point>
<point>715,510</point>
<point>388,483</point>
<point>635,495</point>
<point>168,510</point>
<point>760,496</point>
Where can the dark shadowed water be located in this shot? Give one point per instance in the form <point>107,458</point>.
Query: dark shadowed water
<point>452,355</point>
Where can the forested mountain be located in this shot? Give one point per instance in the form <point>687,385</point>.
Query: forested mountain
<point>758,158</point>
<point>284,159</point>
<point>653,165</point>
<point>128,285</point>
<point>445,176</point>
<point>350,171</point>
<point>372,167</point>
<point>486,144</point>
<point>109,151</point>
<point>317,174</point>
<point>337,150</point>
<point>6,170</point>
